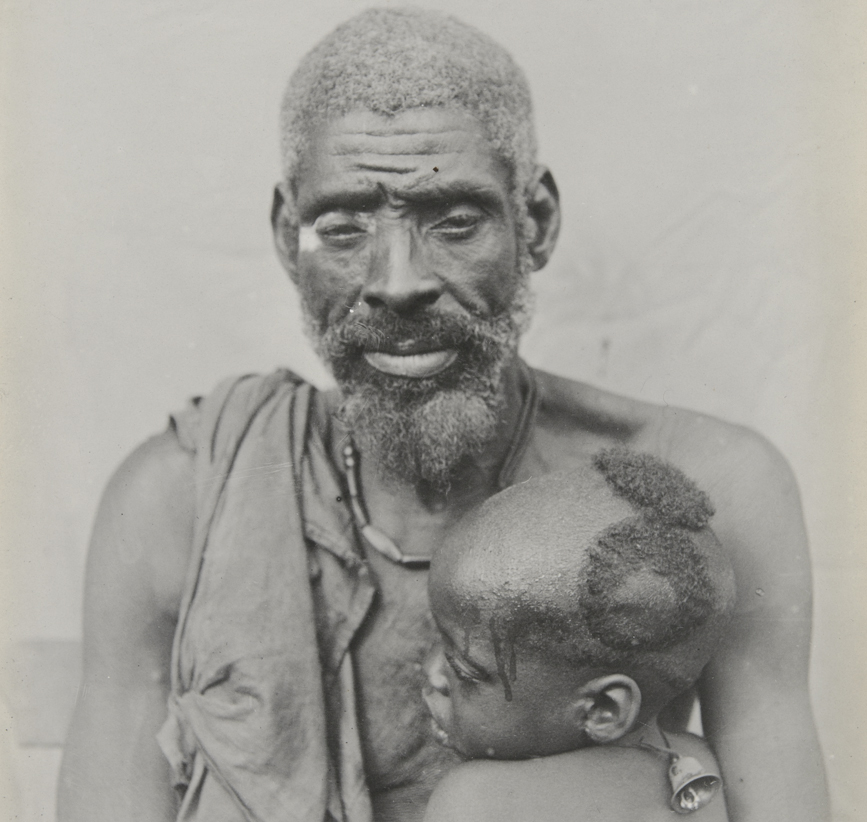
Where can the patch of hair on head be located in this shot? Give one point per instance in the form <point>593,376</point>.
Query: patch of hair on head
<point>663,491</point>
<point>646,586</point>
<point>391,60</point>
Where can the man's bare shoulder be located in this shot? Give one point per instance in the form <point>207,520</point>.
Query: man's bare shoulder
<point>702,445</point>
<point>112,766</point>
<point>144,526</point>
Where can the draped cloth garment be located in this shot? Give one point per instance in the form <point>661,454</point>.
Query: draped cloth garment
<point>262,723</point>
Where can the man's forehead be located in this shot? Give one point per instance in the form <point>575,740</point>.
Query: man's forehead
<point>426,128</point>
<point>420,148</point>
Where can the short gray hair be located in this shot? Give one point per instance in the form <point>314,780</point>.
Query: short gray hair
<point>390,60</point>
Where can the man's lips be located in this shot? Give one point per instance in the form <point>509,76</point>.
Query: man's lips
<point>416,366</point>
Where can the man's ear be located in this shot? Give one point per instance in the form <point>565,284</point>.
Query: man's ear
<point>284,223</point>
<point>543,216</point>
<point>609,707</point>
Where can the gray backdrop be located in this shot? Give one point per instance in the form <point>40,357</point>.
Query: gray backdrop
<point>704,152</point>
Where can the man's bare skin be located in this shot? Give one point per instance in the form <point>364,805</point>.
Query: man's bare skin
<point>578,786</point>
<point>755,704</point>
<point>142,541</point>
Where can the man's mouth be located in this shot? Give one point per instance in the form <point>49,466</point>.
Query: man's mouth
<point>415,366</point>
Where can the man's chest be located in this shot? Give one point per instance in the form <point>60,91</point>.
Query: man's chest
<point>389,652</point>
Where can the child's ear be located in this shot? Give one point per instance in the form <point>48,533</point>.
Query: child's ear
<point>608,707</point>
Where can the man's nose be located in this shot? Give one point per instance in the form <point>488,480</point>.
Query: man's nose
<point>399,279</point>
<point>435,670</point>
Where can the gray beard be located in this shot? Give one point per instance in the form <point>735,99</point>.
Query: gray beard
<point>423,431</point>
<point>422,441</point>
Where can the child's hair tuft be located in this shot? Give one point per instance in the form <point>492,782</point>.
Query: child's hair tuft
<point>663,492</point>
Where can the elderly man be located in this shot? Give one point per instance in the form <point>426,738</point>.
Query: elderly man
<point>256,617</point>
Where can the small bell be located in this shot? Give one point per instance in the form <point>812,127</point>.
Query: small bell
<point>692,787</point>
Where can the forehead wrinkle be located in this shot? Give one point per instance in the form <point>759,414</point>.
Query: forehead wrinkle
<point>358,198</point>
<point>349,151</point>
<point>431,189</point>
<point>385,169</point>
<point>393,163</point>
<point>421,135</point>
<point>426,189</point>
<point>418,143</point>
<point>388,129</point>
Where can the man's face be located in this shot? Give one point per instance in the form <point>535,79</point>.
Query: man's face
<point>489,698</point>
<point>409,266</point>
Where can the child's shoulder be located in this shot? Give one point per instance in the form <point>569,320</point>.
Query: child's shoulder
<point>462,792</point>
<point>561,787</point>
<point>486,789</point>
<point>603,784</point>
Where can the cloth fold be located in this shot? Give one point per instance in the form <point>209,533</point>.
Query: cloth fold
<point>247,736</point>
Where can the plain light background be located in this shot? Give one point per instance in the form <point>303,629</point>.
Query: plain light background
<point>708,156</point>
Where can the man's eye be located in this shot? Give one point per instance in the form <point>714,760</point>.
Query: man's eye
<point>338,230</point>
<point>344,230</point>
<point>458,224</point>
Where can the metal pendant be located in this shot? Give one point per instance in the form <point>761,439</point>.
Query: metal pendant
<point>692,787</point>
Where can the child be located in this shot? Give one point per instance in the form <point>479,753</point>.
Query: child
<point>573,607</point>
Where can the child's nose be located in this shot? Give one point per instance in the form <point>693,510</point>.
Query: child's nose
<point>435,670</point>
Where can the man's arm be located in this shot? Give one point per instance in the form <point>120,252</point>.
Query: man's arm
<point>112,766</point>
<point>755,702</point>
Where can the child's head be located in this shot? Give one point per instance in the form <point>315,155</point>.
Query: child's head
<point>573,605</point>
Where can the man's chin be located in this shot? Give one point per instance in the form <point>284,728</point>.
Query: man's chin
<point>419,430</point>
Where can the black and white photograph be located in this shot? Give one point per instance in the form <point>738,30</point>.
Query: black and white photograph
<point>433,412</point>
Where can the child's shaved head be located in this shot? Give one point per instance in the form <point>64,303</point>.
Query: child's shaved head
<point>390,60</point>
<point>611,567</point>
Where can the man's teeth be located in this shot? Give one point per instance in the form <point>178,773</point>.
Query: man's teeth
<point>411,365</point>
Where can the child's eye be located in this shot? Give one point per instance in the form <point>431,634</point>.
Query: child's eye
<point>462,673</point>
